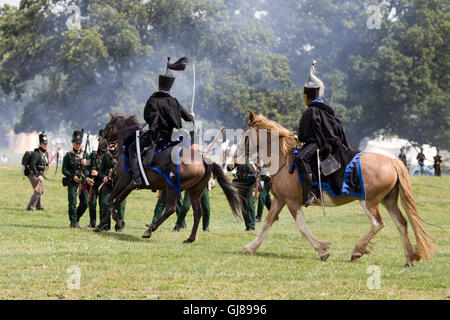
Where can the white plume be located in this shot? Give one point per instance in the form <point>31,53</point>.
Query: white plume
<point>315,79</point>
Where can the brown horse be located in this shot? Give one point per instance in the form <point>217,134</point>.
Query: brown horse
<point>194,177</point>
<point>384,180</point>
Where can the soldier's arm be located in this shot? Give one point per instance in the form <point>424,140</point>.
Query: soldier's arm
<point>33,163</point>
<point>66,167</point>
<point>185,115</point>
<point>151,116</point>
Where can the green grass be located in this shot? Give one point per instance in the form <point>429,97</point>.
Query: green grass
<point>37,248</point>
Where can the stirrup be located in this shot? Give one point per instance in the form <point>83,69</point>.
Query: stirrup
<point>310,200</point>
<point>133,185</point>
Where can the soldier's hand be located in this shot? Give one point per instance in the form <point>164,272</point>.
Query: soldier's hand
<point>105,179</point>
<point>260,164</point>
<point>76,179</point>
<point>94,173</point>
<point>192,114</point>
<point>41,178</point>
<point>83,162</point>
<point>90,182</point>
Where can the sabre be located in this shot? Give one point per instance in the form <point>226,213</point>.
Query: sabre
<point>138,154</point>
<point>214,141</point>
<point>320,183</point>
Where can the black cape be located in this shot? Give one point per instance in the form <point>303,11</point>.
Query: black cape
<point>163,113</point>
<point>320,125</point>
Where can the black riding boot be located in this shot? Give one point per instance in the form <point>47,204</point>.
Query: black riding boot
<point>137,179</point>
<point>309,190</point>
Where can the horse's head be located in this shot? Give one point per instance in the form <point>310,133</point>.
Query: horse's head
<point>257,123</point>
<point>119,125</point>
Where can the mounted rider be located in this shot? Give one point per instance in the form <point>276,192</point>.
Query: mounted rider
<point>163,113</point>
<point>319,128</point>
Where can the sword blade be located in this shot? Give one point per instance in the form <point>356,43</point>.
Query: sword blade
<point>320,183</point>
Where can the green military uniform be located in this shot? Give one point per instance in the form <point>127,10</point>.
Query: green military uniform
<point>182,209</point>
<point>106,166</point>
<point>161,206</point>
<point>245,183</point>
<point>37,167</point>
<point>72,167</point>
<point>93,164</point>
<point>186,204</point>
<point>264,194</point>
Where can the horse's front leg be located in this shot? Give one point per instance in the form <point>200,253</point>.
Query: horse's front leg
<point>322,246</point>
<point>115,207</point>
<point>274,211</point>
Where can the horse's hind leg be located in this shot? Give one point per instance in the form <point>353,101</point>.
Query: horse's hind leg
<point>391,205</point>
<point>197,208</point>
<point>376,224</point>
<point>274,211</point>
<point>171,203</point>
<point>321,246</point>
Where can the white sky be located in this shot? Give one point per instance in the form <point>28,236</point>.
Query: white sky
<point>11,2</point>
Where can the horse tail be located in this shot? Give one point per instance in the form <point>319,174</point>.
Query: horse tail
<point>230,193</point>
<point>425,248</point>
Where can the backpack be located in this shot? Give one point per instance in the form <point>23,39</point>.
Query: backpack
<point>26,159</point>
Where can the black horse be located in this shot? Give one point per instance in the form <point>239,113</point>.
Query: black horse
<point>194,177</point>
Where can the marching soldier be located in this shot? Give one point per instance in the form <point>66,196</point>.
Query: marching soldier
<point>264,194</point>
<point>421,160</point>
<point>185,206</point>
<point>245,183</point>
<point>94,181</point>
<point>402,156</point>
<point>37,167</point>
<point>107,166</point>
<point>75,172</point>
<point>437,164</point>
<point>163,113</point>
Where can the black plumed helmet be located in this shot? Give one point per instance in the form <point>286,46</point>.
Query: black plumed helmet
<point>43,138</point>
<point>166,81</point>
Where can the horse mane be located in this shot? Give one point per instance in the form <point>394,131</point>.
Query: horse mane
<point>288,140</point>
<point>129,119</point>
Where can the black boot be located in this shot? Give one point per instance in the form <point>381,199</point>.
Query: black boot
<point>137,179</point>
<point>309,190</point>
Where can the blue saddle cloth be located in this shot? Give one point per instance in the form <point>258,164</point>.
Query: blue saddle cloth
<point>162,163</point>
<point>353,179</point>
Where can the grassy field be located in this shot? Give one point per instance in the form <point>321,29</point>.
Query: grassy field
<point>38,252</point>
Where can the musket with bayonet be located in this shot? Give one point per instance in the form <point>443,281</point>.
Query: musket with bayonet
<point>80,172</point>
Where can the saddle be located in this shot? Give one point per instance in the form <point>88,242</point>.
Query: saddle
<point>162,161</point>
<point>337,178</point>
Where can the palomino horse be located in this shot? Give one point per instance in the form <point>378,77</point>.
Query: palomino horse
<point>384,180</point>
<point>194,177</point>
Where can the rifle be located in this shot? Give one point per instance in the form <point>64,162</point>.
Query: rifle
<point>36,189</point>
<point>110,173</point>
<point>94,167</point>
<point>82,167</point>
<point>258,174</point>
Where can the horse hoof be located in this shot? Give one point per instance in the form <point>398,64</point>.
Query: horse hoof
<point>246,250</point>
<point>324,257</point>
<point>147,234</point>
<point>121,224</point>
<point>97,229</point>
<point>189,240</point>
<point>356,256</point>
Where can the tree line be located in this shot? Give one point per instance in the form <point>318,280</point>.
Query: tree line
<point>249,55</point>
